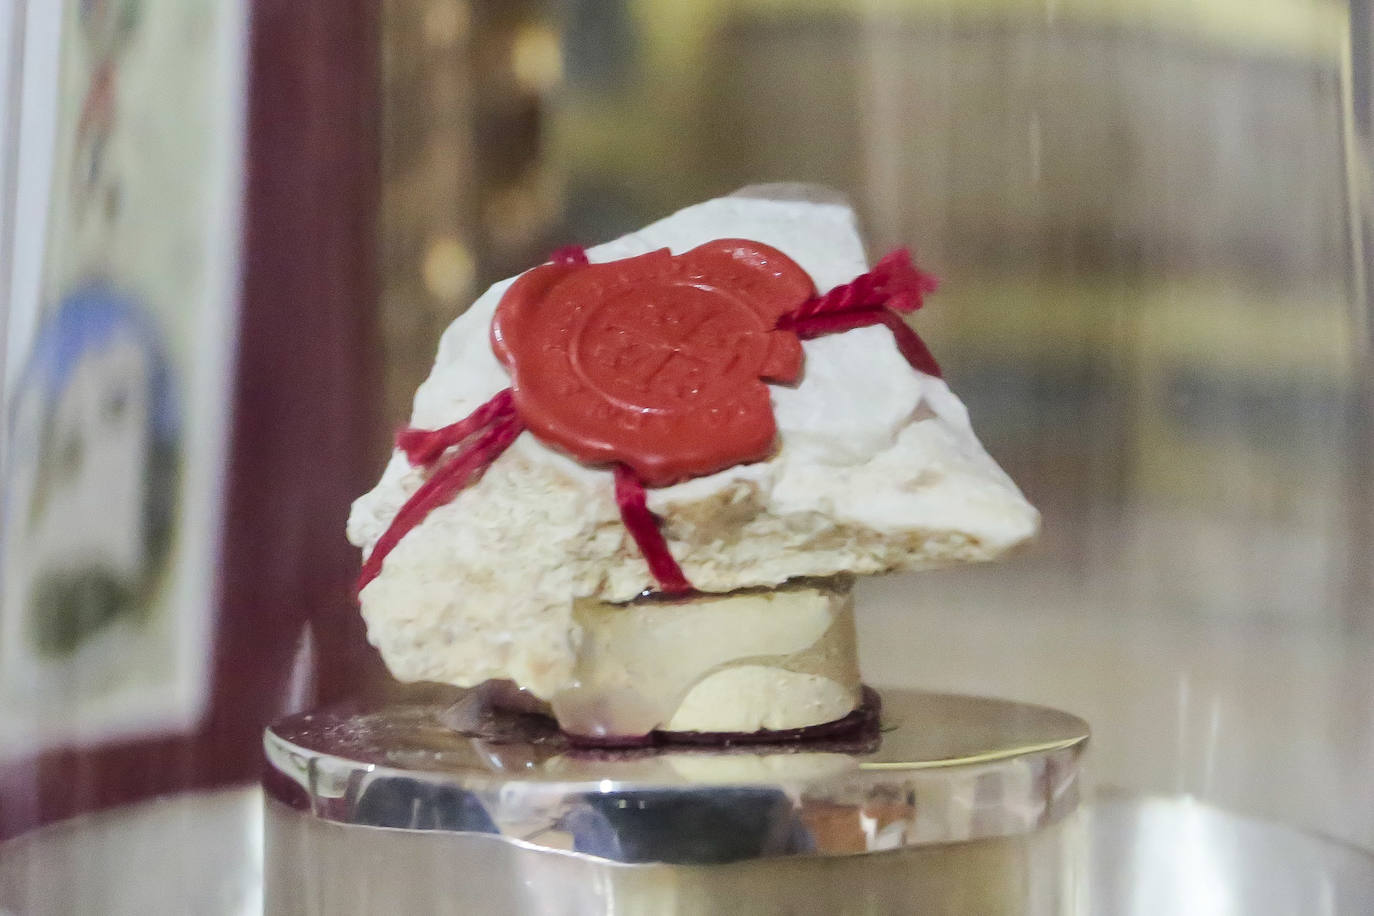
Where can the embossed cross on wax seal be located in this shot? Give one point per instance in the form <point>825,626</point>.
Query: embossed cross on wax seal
<point>657,362</point>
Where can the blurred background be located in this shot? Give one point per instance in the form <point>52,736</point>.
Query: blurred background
<point>1151,222</point>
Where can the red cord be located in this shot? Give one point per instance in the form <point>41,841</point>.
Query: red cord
<point>894,282</point>
<point>908,341</point>
<point>424,446</point>
<point>569,254</point>
<point>459,470</point>
<point>643,527</point>
<point>894,287</point>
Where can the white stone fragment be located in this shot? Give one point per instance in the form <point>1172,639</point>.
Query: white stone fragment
<point>877,469</point>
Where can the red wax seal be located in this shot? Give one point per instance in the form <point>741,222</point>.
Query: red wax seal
<point>657,361</point>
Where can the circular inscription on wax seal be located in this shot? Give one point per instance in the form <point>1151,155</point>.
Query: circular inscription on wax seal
<point>657,361</point>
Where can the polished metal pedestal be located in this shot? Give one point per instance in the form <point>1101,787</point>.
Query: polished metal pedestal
<point>202,853</point>
<point>943,805</point>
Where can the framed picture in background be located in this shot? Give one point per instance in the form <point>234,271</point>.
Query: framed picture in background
<point>186,345</point>
<point>122,314</point>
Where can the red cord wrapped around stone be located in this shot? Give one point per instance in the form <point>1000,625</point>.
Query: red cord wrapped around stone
<point>894,283</point>
<point>454,473</point>
<point>423,446</point>
<point>894,287</point>
<point>644,528</point>
<point>909,343</point>
<point>569,254</point>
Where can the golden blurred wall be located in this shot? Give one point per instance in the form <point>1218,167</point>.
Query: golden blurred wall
<point>468,191</point>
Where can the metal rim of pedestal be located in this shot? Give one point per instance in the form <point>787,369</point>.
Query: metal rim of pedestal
<point>942,769</point>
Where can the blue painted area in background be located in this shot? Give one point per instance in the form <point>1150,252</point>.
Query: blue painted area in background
<point>89,319</point>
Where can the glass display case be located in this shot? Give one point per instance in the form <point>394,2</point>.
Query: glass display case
<point>1151,223</point>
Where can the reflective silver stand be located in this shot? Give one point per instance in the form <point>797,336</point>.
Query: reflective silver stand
<point>942,805</point>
